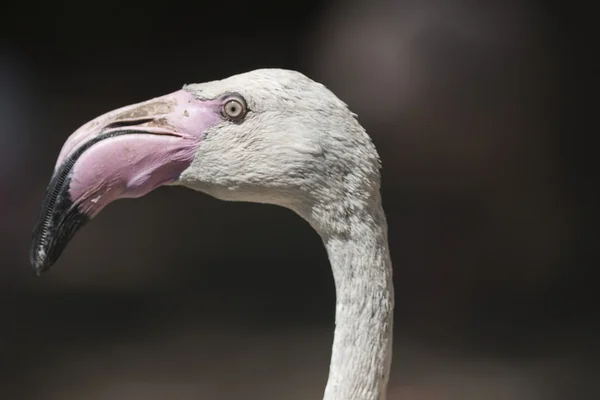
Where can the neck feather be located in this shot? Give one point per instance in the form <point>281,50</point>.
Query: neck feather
<point>362,347</point>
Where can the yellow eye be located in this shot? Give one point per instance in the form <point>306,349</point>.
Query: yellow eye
<point>234,109</point>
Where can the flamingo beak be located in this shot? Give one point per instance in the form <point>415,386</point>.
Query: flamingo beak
<point>125,153</point>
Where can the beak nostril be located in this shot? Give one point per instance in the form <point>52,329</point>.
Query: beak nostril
<point>128,122</point>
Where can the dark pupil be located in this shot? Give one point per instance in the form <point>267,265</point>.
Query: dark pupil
<point>232,109</point>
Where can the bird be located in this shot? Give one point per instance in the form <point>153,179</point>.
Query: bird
<point>271,136</point>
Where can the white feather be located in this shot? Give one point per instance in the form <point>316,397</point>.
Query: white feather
<point>300,147</point>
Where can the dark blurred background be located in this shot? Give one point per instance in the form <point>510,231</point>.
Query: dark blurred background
<point>486,185</point>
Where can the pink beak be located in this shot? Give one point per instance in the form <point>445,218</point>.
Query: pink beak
<point>124,153</point>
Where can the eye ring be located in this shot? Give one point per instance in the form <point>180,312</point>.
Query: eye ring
<point>234,109</point>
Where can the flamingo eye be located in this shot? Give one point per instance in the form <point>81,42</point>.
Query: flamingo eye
<point>234,109</point>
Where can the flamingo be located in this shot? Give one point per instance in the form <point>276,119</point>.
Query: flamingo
<point>268,136</point>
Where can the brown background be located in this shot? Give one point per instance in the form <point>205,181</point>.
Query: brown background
<point>486,184</point>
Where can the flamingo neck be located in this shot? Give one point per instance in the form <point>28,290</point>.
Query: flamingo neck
<point>360,261</point>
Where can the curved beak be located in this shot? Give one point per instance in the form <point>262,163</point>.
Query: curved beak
<point>124,153</point>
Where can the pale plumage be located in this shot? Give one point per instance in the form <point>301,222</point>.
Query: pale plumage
<point>284,140</point>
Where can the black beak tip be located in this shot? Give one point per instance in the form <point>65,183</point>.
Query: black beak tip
<point>58,219</point>
<point>41,268</point>
<point>39,262</point>
<point>48,246</point>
